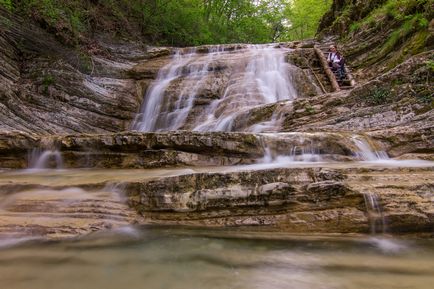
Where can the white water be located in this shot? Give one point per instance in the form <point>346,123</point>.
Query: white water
<point>377,222</point>
<point>296,154</point>
<point>153,102</point>
<point>45,159</point>
<point>366,153</point>
<point>257,75</point>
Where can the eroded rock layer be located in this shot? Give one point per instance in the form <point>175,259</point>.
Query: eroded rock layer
<point>153,150</point>
<point>311,199</point>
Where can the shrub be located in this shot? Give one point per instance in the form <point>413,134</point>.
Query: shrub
<point>378,96</point>
<point>47,81</point>
<point>7,4</point>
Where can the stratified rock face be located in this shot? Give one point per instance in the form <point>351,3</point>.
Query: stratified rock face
<point>152,150</point>
<point>322,200</point>
<point>377,35</point>
<point>299,200</point>
<point>48,88</point>
<point>61,213</point>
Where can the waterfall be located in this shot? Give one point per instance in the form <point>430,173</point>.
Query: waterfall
<point>366,153</point>
<point>302,149</point>
<point>153,102</point>
<point>250,76</point>
<point>377,223</point>
<point>45,159</point>
<point>296,154</point>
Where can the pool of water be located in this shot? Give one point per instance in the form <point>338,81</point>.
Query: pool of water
<point>181,258</point>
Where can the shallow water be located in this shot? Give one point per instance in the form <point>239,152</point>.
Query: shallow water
<point>178,258</point>
<point>73,177</point>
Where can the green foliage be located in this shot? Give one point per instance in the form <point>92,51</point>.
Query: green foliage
<point>309,109</point>
<point>47,81</point>
<point>304,16</point>
<point>7,4</point>
<point>378,96</point>
<point>430,65</point>
<point>178,22</point>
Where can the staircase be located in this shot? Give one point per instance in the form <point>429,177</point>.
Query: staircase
<point>348,81</point>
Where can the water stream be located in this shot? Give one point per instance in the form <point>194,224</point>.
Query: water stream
<point>366,153</point>
<point>181,258</point>
<point>250,76</point>
<point>45,159</point>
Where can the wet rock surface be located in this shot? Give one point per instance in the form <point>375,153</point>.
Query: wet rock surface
<point>290,199</point>
<point>183,148</point>
<point>57,214</point>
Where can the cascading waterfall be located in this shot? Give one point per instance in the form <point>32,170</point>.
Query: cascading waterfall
<point>265,79</point>
<point>296,154</point>
<point>256,75</point>
<point>153,102</point>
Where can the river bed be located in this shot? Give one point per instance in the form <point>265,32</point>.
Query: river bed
<point>178,258</point>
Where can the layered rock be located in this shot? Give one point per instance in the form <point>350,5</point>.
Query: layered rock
<point>299,200</point>
<point>149,150</point>
<point>327,199</point>
<point>61,213</point>
<point>46,87</point>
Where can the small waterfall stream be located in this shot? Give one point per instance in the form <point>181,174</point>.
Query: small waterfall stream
<point>377,222</point>
<point>45,159</point>
<point>366,153</point>
<point>253,75</point>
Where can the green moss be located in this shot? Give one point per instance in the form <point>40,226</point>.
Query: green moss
<point>355,26</point>
<point>418,42</point>
<point>398,36</point>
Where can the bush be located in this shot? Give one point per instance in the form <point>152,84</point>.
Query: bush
<point>378,96</point>
<point>7,4</point>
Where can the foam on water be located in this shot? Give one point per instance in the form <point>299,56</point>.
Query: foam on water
<point>388,245</point>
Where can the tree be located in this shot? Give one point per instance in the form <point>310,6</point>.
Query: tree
<point>304,16</point>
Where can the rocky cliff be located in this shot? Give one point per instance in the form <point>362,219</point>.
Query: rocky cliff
<point>378,35</point>
<point>48,87</point>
